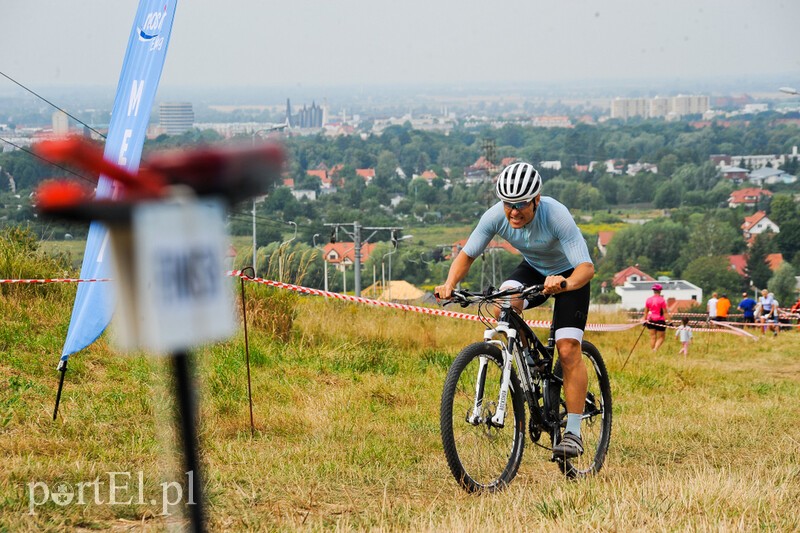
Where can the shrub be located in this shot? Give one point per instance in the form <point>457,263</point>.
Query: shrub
<point>20,258</point>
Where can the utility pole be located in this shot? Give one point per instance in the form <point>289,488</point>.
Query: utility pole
<point>357,241</point>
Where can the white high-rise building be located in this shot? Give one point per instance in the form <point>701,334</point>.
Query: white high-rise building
<point>60,123</point>
<point>626,108</point>
<point>672,107</point>
<point>176,117</point>
<point>689,105</point>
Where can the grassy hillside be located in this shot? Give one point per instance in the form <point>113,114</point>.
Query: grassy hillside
<point>346,411</point>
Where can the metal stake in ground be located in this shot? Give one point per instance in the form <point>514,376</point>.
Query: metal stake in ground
<point>186,418</point>
<point>634,347</point>
<point>62,367</point>
<point>247,349</point>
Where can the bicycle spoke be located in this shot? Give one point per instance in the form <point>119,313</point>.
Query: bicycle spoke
<point>596,418</point>
<point>480,455</point>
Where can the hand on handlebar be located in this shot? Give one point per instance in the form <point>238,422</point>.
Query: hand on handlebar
<point>554,285</point>
<point>443,292</point>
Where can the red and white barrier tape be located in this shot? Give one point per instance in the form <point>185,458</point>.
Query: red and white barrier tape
<point>784,312</point>
<point>725,328</point>
<point>734,330</point>
<point>404,307</point>
<point>429,310</point>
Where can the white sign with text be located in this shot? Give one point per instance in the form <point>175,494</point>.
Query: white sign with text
<point>182,297</point>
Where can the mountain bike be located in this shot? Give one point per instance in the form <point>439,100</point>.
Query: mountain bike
<point>482,414</point>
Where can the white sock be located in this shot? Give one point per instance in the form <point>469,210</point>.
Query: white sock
<point>573,424</point>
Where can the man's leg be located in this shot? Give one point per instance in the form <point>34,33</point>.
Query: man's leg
<point>576,381</point>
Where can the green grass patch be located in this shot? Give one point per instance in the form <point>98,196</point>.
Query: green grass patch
<point>345,406</point>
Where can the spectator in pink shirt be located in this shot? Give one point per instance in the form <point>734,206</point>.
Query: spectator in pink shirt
<point>655,317</point>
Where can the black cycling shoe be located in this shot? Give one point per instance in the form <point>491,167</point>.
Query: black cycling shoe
<point>569,447</point>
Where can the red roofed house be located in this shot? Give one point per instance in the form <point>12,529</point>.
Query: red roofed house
<point>739,262</point>
<point>367,173</point>
<point>507,161</point>
<point>483,163</point>
<point>603,238</point>
<point>632,273</point>
<point>322,175</point>
<point>735,174</point>
<point>429,176</point>
<point>479,172</point>
<point>343,254</point>
<point>679,306</point>
<point>747,197</point>
<point>756,224</point>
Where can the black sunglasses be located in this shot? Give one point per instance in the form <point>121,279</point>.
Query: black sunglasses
<point>519,206</point>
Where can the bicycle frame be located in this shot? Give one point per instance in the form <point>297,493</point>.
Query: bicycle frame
<point>531,373</point>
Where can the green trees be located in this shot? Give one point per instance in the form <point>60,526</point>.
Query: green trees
<point>783,284</point>
<point>757,267</point>
<point>788,240</point>
<point>709,235</point>
<point>656,245</point>
<point>783,209</point>
<point>713,273</point>
<point>668,194</point>
<point>26,170</point>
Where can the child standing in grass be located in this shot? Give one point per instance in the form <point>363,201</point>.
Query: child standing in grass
<point>684,334</point>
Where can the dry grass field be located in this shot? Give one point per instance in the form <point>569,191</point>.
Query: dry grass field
<point>346,402</point>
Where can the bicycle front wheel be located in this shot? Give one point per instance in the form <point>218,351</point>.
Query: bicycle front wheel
<point>596,418</point>
<point>482,455</point>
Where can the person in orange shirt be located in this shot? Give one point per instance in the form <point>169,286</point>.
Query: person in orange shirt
<point>723,305</point>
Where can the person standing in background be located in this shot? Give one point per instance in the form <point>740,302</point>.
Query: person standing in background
<point>655,317</point>
<point>712,307</point>
<point>684,334</point>
<point>772,318</point>
<point>748,307</point>
<point>723,305</point>
<point>765,304</point>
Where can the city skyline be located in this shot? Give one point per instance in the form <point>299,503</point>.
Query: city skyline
<point>355,43</point>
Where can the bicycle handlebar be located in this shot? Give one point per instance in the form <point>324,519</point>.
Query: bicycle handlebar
<point>465,298</point>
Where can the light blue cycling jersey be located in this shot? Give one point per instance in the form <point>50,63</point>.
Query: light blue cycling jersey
<point>551,242</point>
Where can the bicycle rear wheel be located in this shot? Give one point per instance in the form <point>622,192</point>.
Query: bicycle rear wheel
<point>481,455</point>
<point>596,423</point>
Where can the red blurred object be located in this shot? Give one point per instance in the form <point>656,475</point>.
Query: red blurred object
<point>61,193</point>
<point>89,156</point>
<point>233,173</point>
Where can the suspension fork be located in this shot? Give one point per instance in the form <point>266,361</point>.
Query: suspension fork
<point>480,383</point>
<point>508,362</point>
<point>498,419</point>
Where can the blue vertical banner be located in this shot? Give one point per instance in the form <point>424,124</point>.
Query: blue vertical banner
<point>138,81</point>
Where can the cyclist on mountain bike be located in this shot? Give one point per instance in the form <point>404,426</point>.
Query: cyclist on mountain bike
<point>554,251</point>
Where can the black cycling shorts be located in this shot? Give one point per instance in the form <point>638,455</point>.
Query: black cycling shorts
<point>656,325</point>
<point>570,308</point>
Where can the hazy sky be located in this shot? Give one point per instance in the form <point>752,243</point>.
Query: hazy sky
<point>339,42</point>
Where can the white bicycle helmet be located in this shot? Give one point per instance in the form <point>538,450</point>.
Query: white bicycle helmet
<point>518,182</point>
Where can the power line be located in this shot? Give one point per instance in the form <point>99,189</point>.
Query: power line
<point>51,103</point>
<point>239,215</point>
<point>34,154</point>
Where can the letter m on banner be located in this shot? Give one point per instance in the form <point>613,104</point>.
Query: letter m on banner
<point>141,72</point>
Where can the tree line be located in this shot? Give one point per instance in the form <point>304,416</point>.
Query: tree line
<point>687,186</point>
